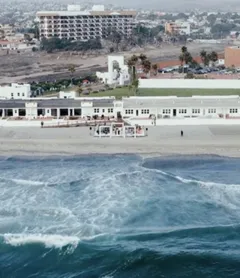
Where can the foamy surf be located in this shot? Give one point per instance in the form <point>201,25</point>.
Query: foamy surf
<point>195,181</point>
<point>113,216</point>
<point>49,241</point>
<point>28,182</point>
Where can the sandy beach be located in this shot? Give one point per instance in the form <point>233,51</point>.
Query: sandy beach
<point>219,140</point>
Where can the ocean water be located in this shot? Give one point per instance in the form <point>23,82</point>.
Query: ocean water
<point>120,216</point>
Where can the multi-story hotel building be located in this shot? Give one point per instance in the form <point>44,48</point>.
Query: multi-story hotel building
<point>75,24</point>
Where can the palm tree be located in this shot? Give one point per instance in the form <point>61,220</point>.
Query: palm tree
<point>132,62</point>
<point>142,57</point>
<point>181,59</point>
<point>155,68</point>
<point>184,49</point>
<point>213,56</point>
<point>71,69</point>
<point>135,85</point>
<point>187,58</point>
<point>146,65</point>
<point>204,58</point>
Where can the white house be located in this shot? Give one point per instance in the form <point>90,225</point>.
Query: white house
<point>117,71</point>
<point>15,91</point>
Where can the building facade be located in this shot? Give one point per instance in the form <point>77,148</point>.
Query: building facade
<point>209,107</point>
<point>15,91</point>
<point>84,25</point>
<point>182,107</point>
<point>232,56</point>
<point>183,28</point>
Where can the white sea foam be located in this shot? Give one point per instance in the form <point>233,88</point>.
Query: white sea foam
<point>95,197</point>
<point>57,241</point>
<point>28,182</point>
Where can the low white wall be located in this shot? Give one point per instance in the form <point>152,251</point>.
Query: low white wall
<point>190,83</point>
<point>21,123</point>
<point>187,121</point>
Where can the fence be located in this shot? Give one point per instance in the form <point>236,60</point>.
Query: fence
<point>189,83</point>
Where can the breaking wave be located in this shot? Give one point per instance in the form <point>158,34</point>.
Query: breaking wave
<point>120,216</point>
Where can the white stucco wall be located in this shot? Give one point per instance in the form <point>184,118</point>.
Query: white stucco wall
<point>186,121</point>
<point>190,83</point>
<point>70,94</point>
<point>15,91</point>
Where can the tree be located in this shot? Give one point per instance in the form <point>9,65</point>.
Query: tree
<point>181,59</point>
<point>56,44</point>
<point>112,35</point>
<point>204,57</point>
<point>71,69</point>
<point>146,65</point>
<point>142,57</point>
<point>135,85</point>
<point>188,58</point>
<point>213,56</point>
<point>79,90</point>
<point>184,49</point>
<point>185,56</point>
<point>155,69</point>
<point>132,62</point>
<point>208,57</point>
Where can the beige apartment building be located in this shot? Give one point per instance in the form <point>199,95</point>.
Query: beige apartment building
<point>232,56</point>
<point>80,25</point>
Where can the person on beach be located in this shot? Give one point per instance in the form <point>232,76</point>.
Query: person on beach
<point>181,133</point>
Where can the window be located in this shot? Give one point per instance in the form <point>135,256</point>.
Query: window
<point>145,111</point>
<point>96,110</point>
<point>11,94</point>
<point>18,94</point>
<point>128,111</point>
<point>233,110</point>
<point>211,111</point>
<point>48,111</point>
<point>23,94</point>
<point>196,111</point>
<point>182,111</point>
<point>166,111</point>
<point>103,110</point>
<point>110,110</point>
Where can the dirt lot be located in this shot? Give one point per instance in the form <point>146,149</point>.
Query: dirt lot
<point>38,66</point>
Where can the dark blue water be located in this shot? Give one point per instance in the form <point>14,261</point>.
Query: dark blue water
<point>120,216</point>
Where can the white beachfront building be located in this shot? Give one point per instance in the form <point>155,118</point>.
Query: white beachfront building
<point>15,91</point>
<point>181,107</point>
<point>132,108</point>
<point>34,108</point>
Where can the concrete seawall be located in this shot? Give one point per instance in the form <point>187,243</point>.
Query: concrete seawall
<point>185,121</point>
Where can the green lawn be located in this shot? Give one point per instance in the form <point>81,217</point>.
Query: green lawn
<point>123,92</point>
